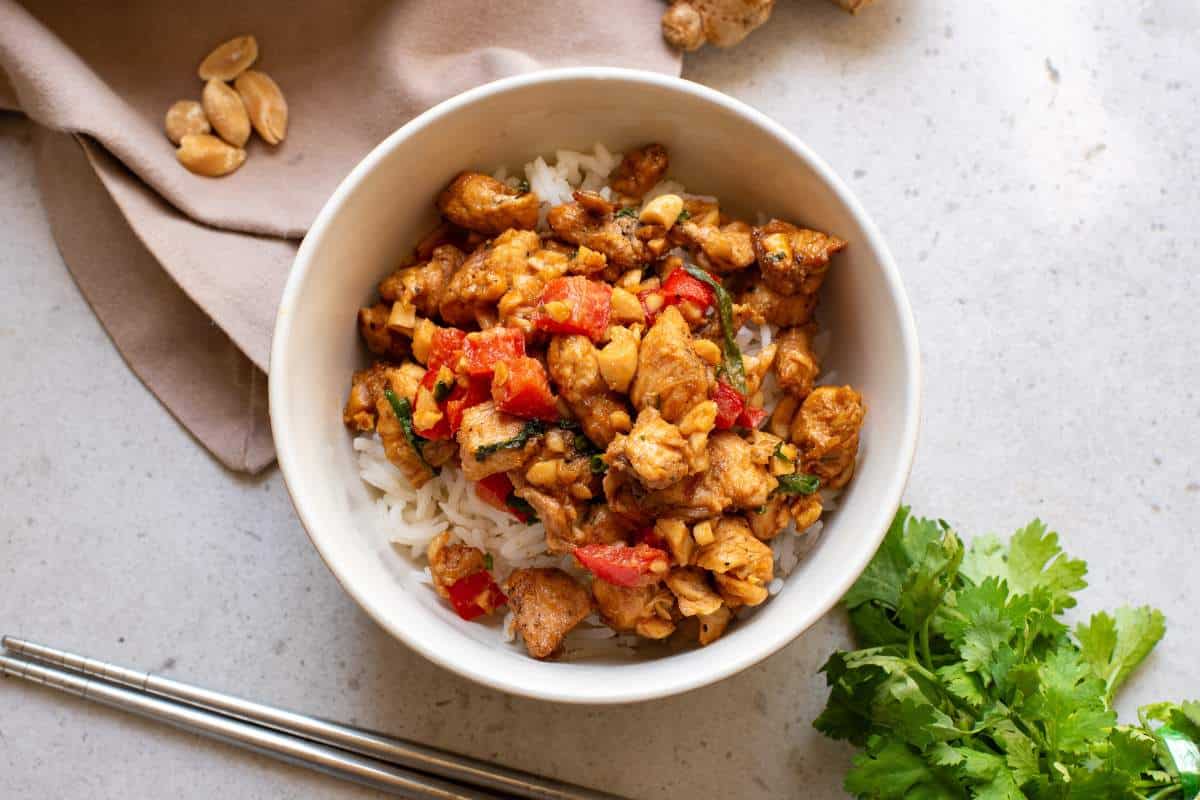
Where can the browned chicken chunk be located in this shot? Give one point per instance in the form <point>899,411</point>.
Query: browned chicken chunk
<point>379,338</point>
<point>546,604</point>
<point>764,304</point>
<point>485,276</point>
<point>826,431</point>
<point>695,595</point>
<point>481,203</point>
<point>483,427</point>
<point>655,450</point>
<point>574,365</point>
<point>670,376</point>
<point>793,260</point>
<point>639,170</point>
<point>589,222</point>
<point>646,610</point>
<point>733,474</point>
<point>725,249</point>
<point>450,562</point>
<point>741,565</point>
<point>796,365</point>
<point>420,287</point>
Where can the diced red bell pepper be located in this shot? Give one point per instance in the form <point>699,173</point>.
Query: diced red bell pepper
<point>751,416</point>
<point>494,490</point>
<point>445,347</point>
<point>523,390</point>
<point>475,595</point>
<point>622,565</point>
<point>588,306</point>
<point>680,286</point>
<point>477,390</point>
<point>483,350</point>
<point>427,386</point>
<point>497,490</point>
<point>730,405</point>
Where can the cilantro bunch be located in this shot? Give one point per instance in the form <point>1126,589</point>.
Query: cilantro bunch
<point>969,685</point>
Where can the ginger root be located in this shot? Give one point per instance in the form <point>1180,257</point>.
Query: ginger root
<point>688,24</point>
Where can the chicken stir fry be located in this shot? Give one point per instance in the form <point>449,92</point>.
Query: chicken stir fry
<point>580,362</point>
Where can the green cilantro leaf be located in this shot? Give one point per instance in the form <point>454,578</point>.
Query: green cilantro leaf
<point>1114,646</point>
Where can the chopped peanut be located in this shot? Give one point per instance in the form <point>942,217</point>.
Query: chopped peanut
<point>707,350</point>
<point>626,307</point>
<point>662,210</point>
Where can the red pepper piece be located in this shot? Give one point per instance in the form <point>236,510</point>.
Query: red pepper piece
<point>622,565</point>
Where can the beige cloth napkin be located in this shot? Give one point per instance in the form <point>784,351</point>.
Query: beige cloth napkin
<point>185,272</point>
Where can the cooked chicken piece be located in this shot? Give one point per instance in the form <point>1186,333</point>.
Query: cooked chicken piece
<point>733,473</point>
<point>481,203</point>
<point>670,376</point>
<point>643,609</point>
<point>484,426</point>
<point>556,488</point>
<point>771,519</point>
<point>735,550</point>
<point>826,430</point>
<point>574,367</point>
<point>756,368</point>
<point>359,413</point>
<point>486,275</point>
<point>678,538</point>
<point>764,304</point>
<point>702,211</point>
<point>587,262</point>
<point>737,592</point>
<point>367,389</point>
<point>421,286</point>
<point>655,450</point>
<point>780,511</point>
<point>639,170</point>
<point>381,340</point>
<point>546,604</point>
<point>450,562</point>
<point>724,249</point>
<point>763,446</point>
<point>713,625</point>
<point>589,222</point>
<point>519,303</point>
<point>559,514</point>
<point>796,366</point>
<point>397,447</point>
<point>604,527</point>
<point>793,260</point>
<point>693,592</point>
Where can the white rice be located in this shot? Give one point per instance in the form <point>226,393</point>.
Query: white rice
<point>411,518</point>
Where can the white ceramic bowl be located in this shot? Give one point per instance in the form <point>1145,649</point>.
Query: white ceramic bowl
<point>717,146</point>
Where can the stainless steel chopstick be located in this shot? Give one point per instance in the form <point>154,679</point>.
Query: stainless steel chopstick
<point>461,769</point>
<point>292,749</point>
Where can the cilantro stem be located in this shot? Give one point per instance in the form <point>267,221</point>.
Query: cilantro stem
<point>926,656</point>
<point>1167,792</point>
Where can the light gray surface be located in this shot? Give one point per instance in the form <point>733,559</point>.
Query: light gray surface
<point>1034,168</point>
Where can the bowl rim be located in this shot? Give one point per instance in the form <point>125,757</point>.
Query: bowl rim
<point>712,671</point>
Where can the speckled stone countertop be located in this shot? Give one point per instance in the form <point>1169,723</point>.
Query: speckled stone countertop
<point>1034,167</point>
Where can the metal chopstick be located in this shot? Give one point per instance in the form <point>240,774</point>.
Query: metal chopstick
<point>398,752</point>
<point>282,746</point>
